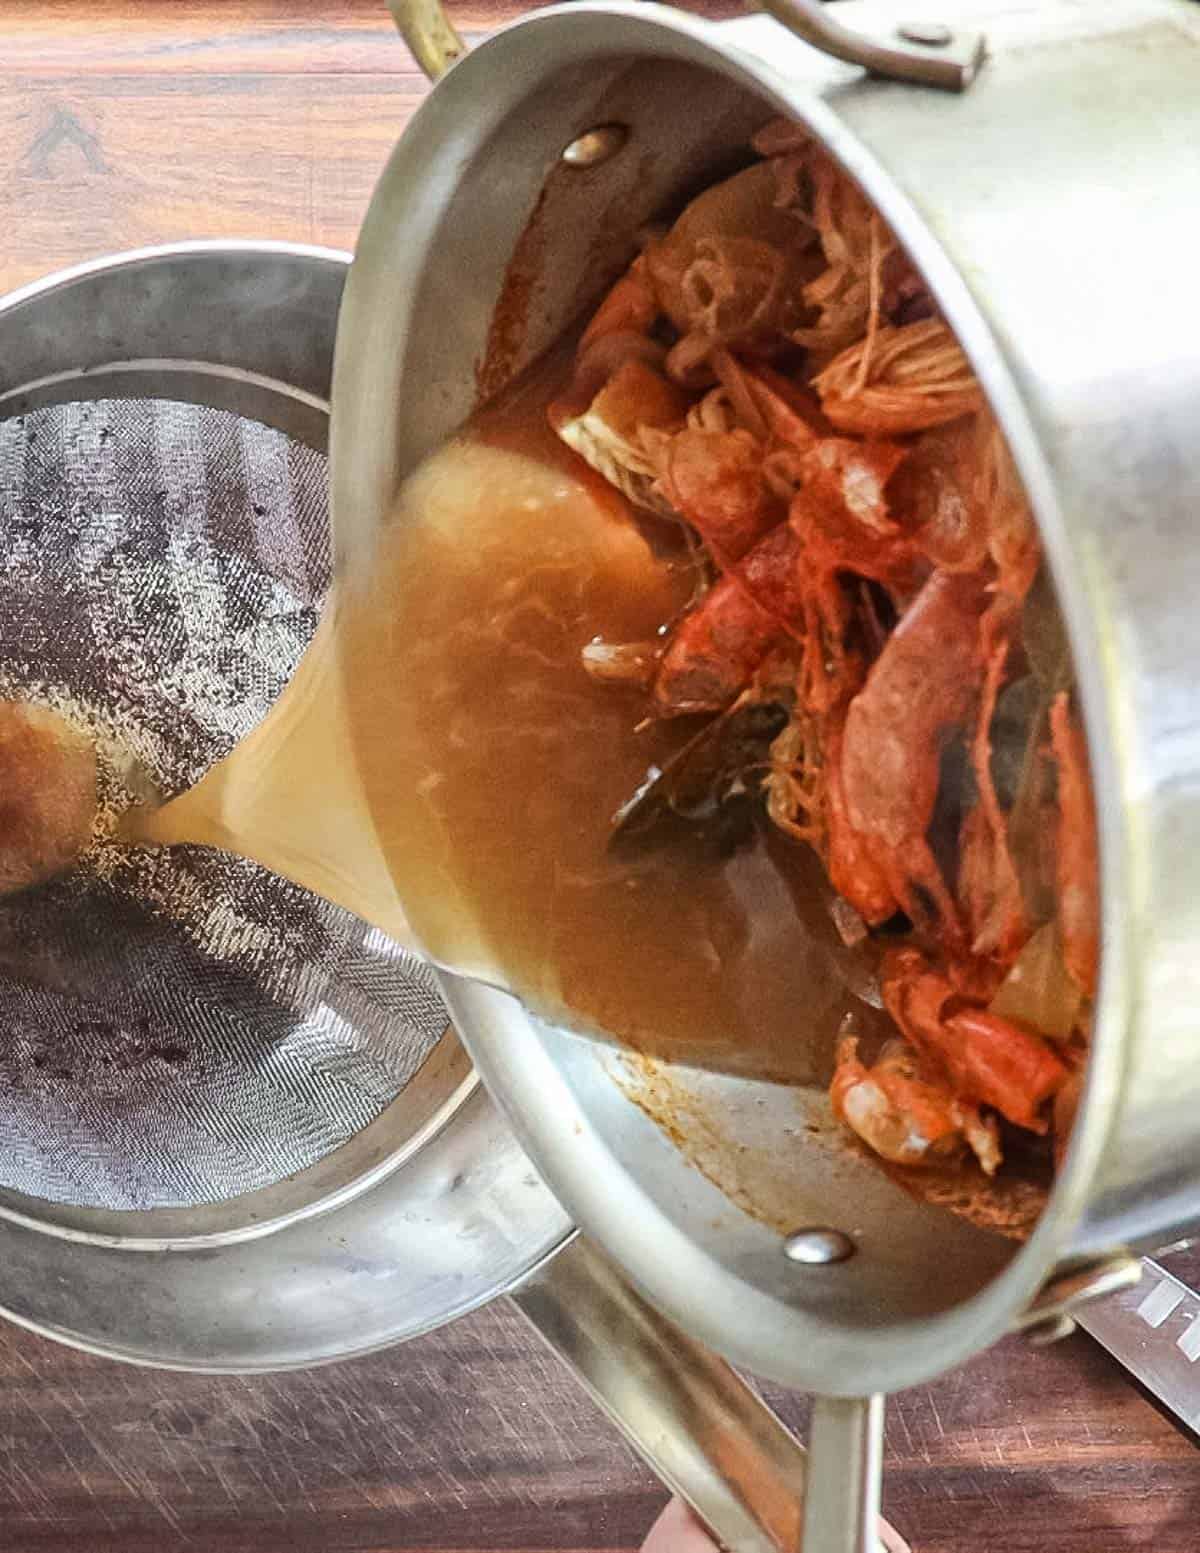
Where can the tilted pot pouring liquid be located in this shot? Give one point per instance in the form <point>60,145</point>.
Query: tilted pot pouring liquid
<point>1051,214</point>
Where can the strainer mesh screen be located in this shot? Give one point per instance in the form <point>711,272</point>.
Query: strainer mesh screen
<point>177,1026</point>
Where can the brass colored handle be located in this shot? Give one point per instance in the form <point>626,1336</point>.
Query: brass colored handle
<point>426,29</point>
<point>934,55</point>
<point>928,56</point>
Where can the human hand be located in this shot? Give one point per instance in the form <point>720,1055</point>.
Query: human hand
<point>678,1531</point>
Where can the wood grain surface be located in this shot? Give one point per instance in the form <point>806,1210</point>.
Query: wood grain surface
<point>146,121</point>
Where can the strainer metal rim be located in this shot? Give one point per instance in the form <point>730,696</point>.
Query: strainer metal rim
<point>216,247</point>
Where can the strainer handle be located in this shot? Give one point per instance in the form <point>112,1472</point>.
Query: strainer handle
<point>701,1428</point>
<point>931,55</point>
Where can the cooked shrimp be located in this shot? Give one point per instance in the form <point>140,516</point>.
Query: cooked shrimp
<point>901,1109</point>
<point>774,373</point>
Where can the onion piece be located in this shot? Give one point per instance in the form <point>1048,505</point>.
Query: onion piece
<point>621,663</point>
<point>852,930</point>
<point>1038,992</point>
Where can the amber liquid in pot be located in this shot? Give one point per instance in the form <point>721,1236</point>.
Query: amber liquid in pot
<point>443,765</point>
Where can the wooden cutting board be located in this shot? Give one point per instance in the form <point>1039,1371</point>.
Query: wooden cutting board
<point>129,122</point>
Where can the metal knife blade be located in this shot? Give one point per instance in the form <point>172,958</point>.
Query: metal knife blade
<point>1153,1329</point>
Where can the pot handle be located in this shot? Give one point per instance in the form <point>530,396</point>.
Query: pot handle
<point>701,1428</point>
<point>429,33</point>
<point>926,55</point>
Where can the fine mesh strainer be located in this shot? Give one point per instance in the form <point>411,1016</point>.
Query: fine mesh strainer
<point>191,1045</point>
<point>236,1129</point>
<point>181,1027</point>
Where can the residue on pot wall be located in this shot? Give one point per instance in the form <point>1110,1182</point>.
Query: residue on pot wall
<point>510,321</point>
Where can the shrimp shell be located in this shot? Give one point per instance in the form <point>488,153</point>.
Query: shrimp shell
<point>903,379</point>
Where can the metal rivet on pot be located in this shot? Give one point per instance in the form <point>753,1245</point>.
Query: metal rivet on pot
<point>818,1246</point>
<point>596,145</point>
<point>934,35</point>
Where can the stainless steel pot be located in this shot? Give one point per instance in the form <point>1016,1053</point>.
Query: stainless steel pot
<point>1053,208</point>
